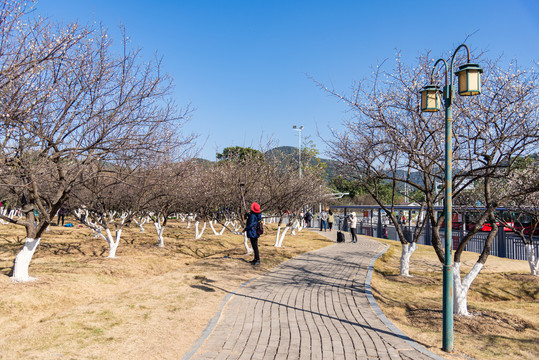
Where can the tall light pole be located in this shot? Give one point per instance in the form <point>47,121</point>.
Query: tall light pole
<point>469,84</point>
<point>299,128</point>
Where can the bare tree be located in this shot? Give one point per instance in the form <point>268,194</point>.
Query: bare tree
<point>495,130</point>
<point>386,139</point>
<point>85,105</point>
<point>164,188</point>
<point>491,132</point>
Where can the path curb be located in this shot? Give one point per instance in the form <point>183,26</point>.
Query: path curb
<point>383,317</point>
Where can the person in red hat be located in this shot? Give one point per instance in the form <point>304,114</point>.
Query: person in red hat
<point>252,221</point>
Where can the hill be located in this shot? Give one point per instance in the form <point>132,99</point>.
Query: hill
<point>286,152</point>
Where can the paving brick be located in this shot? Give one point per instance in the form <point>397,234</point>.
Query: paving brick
<point>312,307</point>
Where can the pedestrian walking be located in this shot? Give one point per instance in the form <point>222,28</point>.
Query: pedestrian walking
<point>353,224</point>
<point>251,230</point>
<point>331,220</point>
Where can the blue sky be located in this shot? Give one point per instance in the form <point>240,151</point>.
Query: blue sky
<point>243,64</point>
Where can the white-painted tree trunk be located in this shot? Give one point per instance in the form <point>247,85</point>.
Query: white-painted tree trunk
<point>3,211</point>
<point>294,226</point>
<point>277,236</point>
<point>15,212</point>
<point>23,259</point>
<point>283,234</point>
<point>224,228</point>
<point>190,219</point>
<point>213,228</point>
<point>198,234</point>
<point>237,226</point>
<point>300,225</point>
<point>246,243</point>
<point>159,229</point>
<point>460,288</point>
<point>532,260</point>
<point>113,242</point>
<point>407,251</point>
<point>143,220</point>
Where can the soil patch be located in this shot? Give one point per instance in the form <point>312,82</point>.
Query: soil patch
<point>480,321</point>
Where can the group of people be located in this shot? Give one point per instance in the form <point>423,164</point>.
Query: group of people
<point>326,220</point>
<point>254,217</point>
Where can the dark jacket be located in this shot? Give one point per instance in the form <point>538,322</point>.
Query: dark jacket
<point>252,220</point>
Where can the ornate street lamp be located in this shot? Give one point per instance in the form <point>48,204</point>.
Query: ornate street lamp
<point>469,76</point>
<point>430,98</point>
<point>469,79</point>
<point>299,128</point>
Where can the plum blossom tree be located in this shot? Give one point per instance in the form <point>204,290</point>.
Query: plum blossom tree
<point>79,105</point>
<point>387,139</point>
<point>389,136</point>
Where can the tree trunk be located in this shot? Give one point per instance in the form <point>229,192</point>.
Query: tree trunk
<point>294,226</point>
<point>283,235</point>
<point>215,231</point>
<point>224,228</point>
<point>460,288</point>
<point>277,237</point>
<point>300,225</point>
<point>143,220</point>
<point>407,251</point>
<point>532,260</point>
<point>113,242</point>
<point>236,225</point>
<point>22,261</point>
<point>198,234</point>
<point>159,229</point>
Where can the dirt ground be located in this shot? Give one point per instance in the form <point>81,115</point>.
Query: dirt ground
<point>154,303</point>
<point>148,303</point>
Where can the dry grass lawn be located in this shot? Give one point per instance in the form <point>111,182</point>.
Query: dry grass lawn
<point>503,300</point>
<point>149,303</point>
<point>153,303</point>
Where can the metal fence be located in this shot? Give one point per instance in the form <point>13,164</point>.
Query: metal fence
<point>506,244</point>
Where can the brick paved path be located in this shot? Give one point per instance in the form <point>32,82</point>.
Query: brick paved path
<point>312,307</point>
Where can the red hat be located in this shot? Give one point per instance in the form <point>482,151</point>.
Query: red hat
<point>255,208</point>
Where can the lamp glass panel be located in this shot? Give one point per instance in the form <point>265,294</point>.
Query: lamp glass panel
<point>463,82</point>
<point>474,85</point>
<point>423,100</point>
<point>432,99</point>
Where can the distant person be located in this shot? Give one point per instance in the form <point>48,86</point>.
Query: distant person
<point>331,220</point>
<point>385,233</point>
<point>252,221</point>
<point>308,218</point>
<point>353,224</point>
<point>323,220</point>
<point>83,214</point>
<point>61,215</point>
